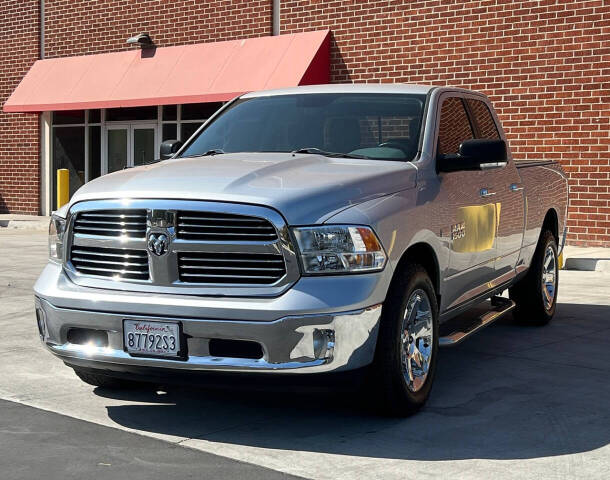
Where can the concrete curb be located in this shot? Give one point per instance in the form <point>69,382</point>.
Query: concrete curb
<point>23,222</point>
<point>588,264</point>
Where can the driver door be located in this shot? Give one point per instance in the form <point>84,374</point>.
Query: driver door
<point>469,209</point>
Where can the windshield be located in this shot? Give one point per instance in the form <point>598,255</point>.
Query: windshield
<point>380,126</point>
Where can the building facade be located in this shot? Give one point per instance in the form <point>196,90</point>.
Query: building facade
<point>544,64</point>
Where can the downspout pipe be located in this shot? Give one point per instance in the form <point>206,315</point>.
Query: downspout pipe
<point>44,129</point>
<point>41,29</point>
<point>276,17</point>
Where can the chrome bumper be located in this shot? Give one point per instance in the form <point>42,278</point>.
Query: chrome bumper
<point>320,324</point>
<point>299,344</point>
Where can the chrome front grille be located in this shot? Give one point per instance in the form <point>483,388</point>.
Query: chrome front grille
<point>110,262</point>
<point>112,223</point>
<point>224,227</point>
<point>251,268</point>
<point>179,246</point>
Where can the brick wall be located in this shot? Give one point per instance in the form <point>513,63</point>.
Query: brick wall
<point>19,146</point>
<point>545,65</point>
<point>80,27</point>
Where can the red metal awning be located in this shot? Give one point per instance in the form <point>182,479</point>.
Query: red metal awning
<point>205,72</point>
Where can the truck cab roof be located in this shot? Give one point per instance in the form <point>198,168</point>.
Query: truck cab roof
<point>390,88</point>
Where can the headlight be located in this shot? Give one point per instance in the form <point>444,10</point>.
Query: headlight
<point>339,249</point>
<point>57,228</point>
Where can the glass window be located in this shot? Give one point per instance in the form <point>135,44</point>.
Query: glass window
<point>131,113</point>
<point>170,112</point>
<point>95,153</point>
<point>199,111</point>
<point>187,130</point>
<point>170,132</point>
<point>454,126</point>
<point>486,127</point>
<point>68,117</point>
<point>69,153</point>
<point>95,116</point>
<point>376,126</point>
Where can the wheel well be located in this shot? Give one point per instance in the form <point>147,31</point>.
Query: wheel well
<point>552,224</point>
<point>422,254</point>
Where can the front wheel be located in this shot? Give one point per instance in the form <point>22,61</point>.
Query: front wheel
<point>407,347</point>
<point>536,294</point>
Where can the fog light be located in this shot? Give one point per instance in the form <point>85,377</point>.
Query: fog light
<point>88,336</point>
<point>323,343</point>
<point>40,320</point>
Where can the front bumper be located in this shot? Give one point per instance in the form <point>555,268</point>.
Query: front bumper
<point>319,325</point>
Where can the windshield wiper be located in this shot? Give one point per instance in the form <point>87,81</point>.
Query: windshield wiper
<point>209,153</point>
<point>318,151</point>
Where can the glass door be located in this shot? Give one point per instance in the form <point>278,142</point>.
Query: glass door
<point>129,145</point>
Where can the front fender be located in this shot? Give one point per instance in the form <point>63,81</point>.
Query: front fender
<point>399,223</point>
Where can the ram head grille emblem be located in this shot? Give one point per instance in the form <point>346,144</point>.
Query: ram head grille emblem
<point>158,243</point>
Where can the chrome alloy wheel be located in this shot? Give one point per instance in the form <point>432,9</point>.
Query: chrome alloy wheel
<point>549,277</point>
<point>416,340</point>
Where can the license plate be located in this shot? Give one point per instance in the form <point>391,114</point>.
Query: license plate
<point>155,339</point>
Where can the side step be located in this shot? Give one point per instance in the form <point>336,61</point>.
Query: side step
<point>496,307</point>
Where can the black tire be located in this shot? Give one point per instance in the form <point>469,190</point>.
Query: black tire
<point>105,381</point>
<point>392,393</point>
<point>528,292</point>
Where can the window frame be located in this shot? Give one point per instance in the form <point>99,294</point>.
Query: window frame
<point>439,109</point>
<point>464,95</point>
<point>86,124</point>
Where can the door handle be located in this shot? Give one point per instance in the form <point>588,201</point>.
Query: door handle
<point>486,193</point>
<point>515,188</point>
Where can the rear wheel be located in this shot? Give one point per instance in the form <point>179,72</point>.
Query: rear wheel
<point>536,293</point>
<point>405,358</point>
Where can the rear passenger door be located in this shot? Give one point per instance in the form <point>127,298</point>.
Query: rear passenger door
<point>468,210</point>
<point>508,195</point>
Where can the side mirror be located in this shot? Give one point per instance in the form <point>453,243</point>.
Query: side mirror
<point>169,148</point>
<point>475,154</point>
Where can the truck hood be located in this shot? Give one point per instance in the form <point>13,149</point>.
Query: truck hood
<point>304,188</point>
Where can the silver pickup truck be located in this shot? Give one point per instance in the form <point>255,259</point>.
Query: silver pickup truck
<point>307,230</point>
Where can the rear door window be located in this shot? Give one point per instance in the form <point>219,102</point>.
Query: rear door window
<point>454,126</point>
<point>486,127</point>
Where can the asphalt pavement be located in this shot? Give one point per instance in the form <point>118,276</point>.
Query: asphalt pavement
<point>37,444</point>
<point>511,402</point>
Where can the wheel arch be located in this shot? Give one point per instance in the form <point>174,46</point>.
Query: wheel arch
<point>551,223</point>
<point>423,254</point>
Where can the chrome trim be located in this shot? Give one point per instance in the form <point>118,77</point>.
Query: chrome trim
<point>293,344</point>
<point>161,217</point>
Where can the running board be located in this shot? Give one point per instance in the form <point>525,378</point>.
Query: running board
<point>498,307</point>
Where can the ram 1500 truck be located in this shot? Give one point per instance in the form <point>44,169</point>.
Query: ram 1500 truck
<point>307,230</point>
